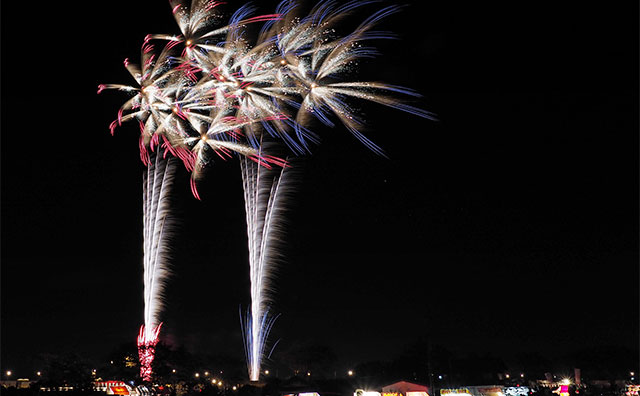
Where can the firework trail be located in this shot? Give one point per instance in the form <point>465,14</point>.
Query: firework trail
<point>265,194</point>
<point>158,224</point>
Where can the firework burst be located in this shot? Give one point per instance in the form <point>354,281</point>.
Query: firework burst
<point>213,91</point>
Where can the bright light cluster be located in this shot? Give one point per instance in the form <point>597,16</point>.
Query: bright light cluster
<point>214,91</point>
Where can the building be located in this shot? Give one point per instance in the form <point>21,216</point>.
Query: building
<point>20,383</point>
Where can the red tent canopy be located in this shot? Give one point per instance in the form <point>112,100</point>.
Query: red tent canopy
<point>404,387</point>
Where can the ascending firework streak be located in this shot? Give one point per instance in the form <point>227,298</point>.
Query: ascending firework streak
<point>158,222</point>
<point>265,195</point>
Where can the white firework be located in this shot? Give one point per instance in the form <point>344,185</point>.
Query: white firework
<point>158,224</point>
<point>266,193</point>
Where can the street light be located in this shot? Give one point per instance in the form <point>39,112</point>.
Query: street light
<point>8,373</point>
<point>197,375</point>
<point>350,372</point>
<point>38,373</point>
<point>266,372</point>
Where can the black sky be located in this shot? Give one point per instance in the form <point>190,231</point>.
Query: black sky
<point>511,224</point>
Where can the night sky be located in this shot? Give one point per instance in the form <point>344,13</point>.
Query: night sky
<point>509,225</point>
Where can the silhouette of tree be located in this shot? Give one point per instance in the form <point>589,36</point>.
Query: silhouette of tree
<point>66,369</point>
<point>316,359</point>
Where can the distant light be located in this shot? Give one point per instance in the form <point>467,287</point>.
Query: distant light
<point>197,375</point>
<point>266,372</point>
<point>350,372</point>
<point>522,375</point>
<point>234,387</point>
<point>173,371</point>
<point>112,362</point>
<point>455,392</point>
<point>38,373</point>
<point>506,375</point>
<point>308,373</point>
<point>362,392</point>
<point>566,381</point>
<point>206,373</point>
<point>632,373</point>
<point>8,373</point>
<point>439,377</point>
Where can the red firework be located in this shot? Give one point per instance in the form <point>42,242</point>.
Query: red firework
<point>147,349</point>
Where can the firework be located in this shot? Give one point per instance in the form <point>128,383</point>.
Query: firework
<point>158,223</point>
<point>147,341</point>
<point>212,92</point>
<point>265,194</point>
